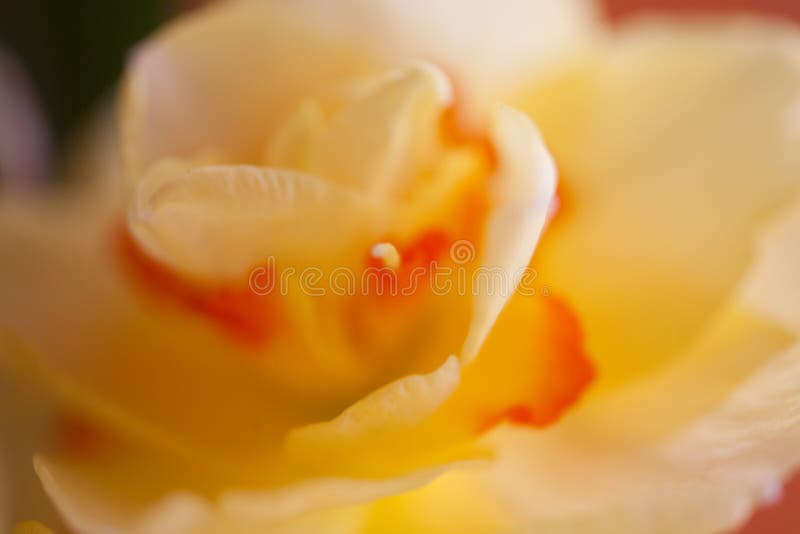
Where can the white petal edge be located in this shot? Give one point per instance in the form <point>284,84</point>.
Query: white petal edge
<point>392,409</point>
<point>522,193</point>
<point>85,508</point>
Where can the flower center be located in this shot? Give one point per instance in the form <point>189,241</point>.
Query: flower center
<point>370,177</point>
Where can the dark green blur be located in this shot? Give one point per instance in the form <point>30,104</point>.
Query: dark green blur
<point>74,50</point>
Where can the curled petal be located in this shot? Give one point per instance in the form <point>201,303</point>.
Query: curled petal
<point>521,195</point>
<point>382,142</point>
<point>221,78</point>
<point>217,223</point>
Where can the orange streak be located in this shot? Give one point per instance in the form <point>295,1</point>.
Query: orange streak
<point>419,255</point>
<point>79,438</point>
<point>562,373</point>
<point>248,317</point>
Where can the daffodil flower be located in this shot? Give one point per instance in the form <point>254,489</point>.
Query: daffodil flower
<point>383,266</point>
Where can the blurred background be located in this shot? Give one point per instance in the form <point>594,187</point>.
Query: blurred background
<point>64,57</point>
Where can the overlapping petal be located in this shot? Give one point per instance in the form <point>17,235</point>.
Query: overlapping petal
<point>193,87</point>
<point>664,190</point>
<point>665,183</point>
<point>362,442</point>
<point>679,299</point>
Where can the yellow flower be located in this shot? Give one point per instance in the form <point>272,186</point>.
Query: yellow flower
<point>213,376</point>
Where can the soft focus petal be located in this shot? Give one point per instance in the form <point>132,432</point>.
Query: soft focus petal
<point>383,142</point>
<point>664,185</point>
<point>530,370</point>
<point>223,77</point>
<point>457,502</point>
<point>661,456</point>
<point>31,527</point>
<point>372,435</point>
<point>174,374</point>
<point>218,223</point>
<point>773,286</point>
<point>137,494</point>
<point>685,177</point>
<point>25,426</point>
<point>521,194</point>
<point>522,191</point>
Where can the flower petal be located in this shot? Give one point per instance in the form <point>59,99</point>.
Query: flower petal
<point>135,495</point>
<point>522,192</point>
<point>31,527</point>
<point>664,184</point>
<point>222,77</point>
<point>25,424</point>
<point>712,428</point>
<point>218,223</point>
<point>523,188</point>
<point>174,382</point>
<point>772,286</point>
<point>368,438</point>
<point>383,141</point>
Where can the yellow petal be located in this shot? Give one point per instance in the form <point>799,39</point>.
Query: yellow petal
<point>664,184</point>
<point>135,495</point>
<point>31,527</point>
<point>657,248</point>
<point>370,436</point>
<point>455,502</point>
<point>175,380</point>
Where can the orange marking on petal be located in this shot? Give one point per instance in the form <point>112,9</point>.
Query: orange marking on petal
<point>416,262</point>
<point>249,317</point>
<point>388,303</point>
<point>453,132</point>
<point>541,378</point>
<point>79,438</point>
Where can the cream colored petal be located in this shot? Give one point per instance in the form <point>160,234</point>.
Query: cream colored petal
<point>521,194</point>
<point>668,192</point>
<point>225,76</point>
<point>773,285</point>
<point>117,498</point>
<point>218,223</point>
<point>675,142</point>
<point>706,478</point>
<point>663,455</point>
<point>383,141</point>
